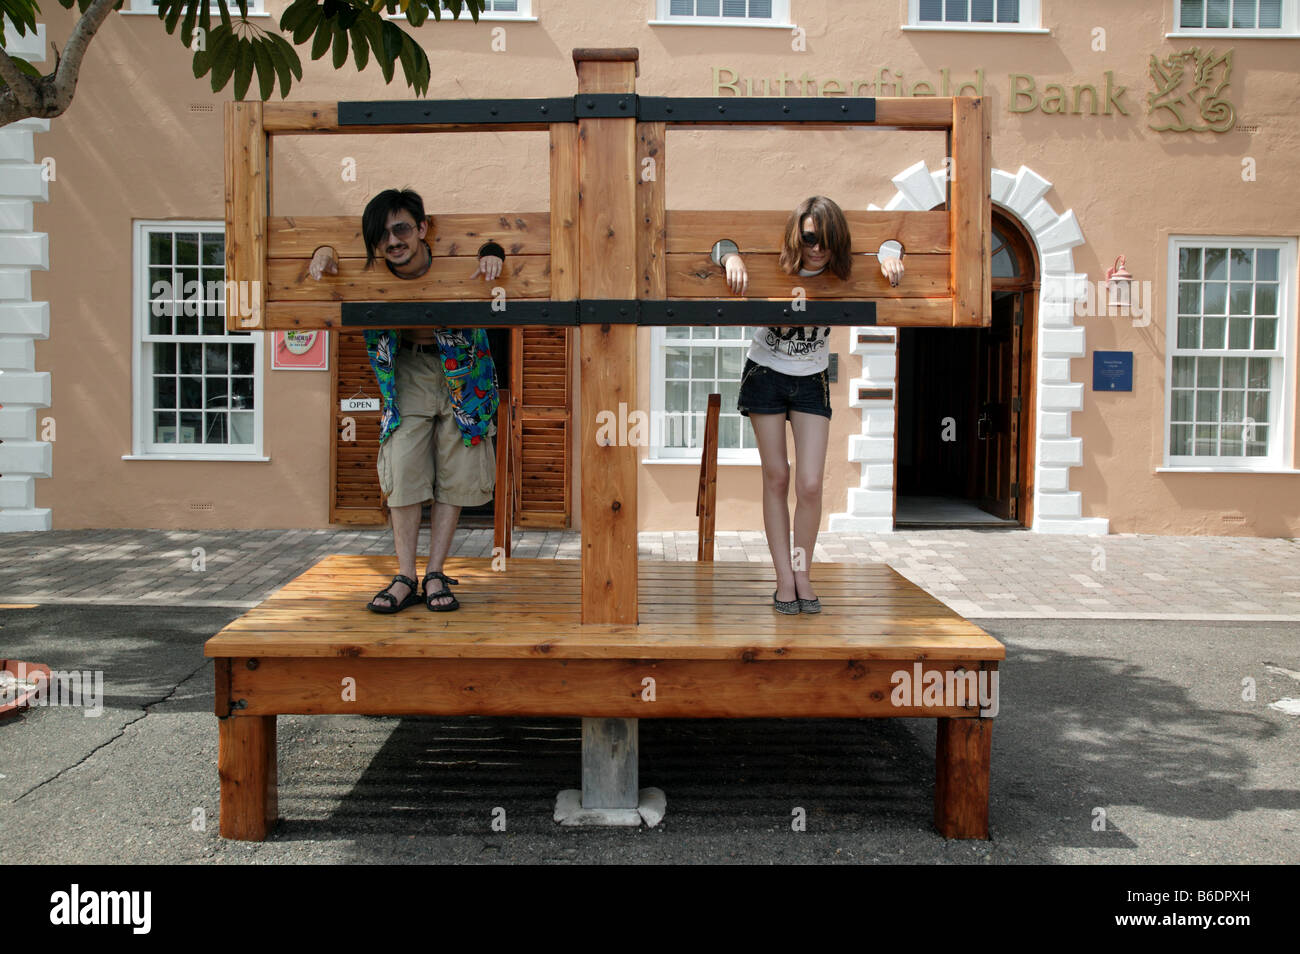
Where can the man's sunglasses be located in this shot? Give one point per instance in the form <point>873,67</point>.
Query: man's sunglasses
<point>810,239</point>
<point>401,230</point>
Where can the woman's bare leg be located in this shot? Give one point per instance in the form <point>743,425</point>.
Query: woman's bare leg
<point>811,435</point>
<point>769,433</point>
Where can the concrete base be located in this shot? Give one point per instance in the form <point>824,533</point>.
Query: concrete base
<point>651,807</point>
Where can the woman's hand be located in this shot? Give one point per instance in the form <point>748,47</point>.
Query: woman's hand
<point>322,262</point>
<point>489,266</point>
<point>892,268</point>
<point>737,277</point>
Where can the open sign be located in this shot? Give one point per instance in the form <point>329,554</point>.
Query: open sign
<point>359,404</point>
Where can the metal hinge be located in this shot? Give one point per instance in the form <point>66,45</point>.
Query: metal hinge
<point>1015,404</point>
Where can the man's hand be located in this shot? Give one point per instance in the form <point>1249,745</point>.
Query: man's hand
<point>737,277</point>
<point>892,268</point>
<point>489,266</point>
<point>322,262</point>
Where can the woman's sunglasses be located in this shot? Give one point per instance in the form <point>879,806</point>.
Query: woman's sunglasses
<point>810,239</point>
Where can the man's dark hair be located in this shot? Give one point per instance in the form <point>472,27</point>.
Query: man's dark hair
<point>374,220</point>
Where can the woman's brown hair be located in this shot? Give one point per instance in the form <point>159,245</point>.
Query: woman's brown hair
<point>832,229</point>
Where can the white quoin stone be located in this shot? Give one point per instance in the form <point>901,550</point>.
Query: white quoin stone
<point>17,423</point>
<point>17,492</point>
<point>1060,504</point>
<point>26,457</point>
<point>25,521</point>
<point>30,249</point>
<point>1029,187</point>
<point>1068,451</point>
<point>25,387</point>
<point>919,186</point>
<point>1053,478</point>
<point>1061,397</point>
<point>15,283</point>
<point>24,318</point>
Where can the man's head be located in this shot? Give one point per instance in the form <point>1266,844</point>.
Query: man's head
<point>393,225</point>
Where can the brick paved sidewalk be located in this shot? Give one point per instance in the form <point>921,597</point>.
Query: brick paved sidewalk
<point>977,573</point>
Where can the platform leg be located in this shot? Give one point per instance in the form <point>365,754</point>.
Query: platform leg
<point>610,778</point>
<point>961,779</point>
<point>610,771</point>
<point>246,763</point>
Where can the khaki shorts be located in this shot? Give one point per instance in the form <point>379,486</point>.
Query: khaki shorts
<point>426,457</point>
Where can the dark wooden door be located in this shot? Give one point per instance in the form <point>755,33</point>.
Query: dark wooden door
<point>997,425</point>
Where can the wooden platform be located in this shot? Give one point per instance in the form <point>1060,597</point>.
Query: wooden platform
<point>709,645</point>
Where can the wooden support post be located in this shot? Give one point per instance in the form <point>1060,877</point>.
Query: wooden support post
<point>969,215</point>
<point>607,270</point>
<point>610,773</point>
<point>246,763</point>
<point>961,777</point>
<point>247,192</point>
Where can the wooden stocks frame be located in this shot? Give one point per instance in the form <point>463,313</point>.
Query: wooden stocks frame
<point>608,255</point>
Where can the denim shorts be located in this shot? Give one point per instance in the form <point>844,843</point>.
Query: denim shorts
<point>764,390</point>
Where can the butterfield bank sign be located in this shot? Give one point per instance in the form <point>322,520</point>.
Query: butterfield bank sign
<point>1186,83</point>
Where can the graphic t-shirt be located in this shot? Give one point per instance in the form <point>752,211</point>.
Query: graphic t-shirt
<point>797,350</point>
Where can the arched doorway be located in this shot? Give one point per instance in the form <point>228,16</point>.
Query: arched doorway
<point>965,406</point>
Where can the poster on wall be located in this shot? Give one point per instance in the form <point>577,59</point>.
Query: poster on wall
<point>300,351</point>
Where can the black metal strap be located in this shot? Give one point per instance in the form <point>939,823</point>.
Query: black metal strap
<point>663,109</point>
<point>646,314</point>
<point>756,109</point>
<point>460,111</point>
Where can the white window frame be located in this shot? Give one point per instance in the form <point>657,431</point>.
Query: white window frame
<point>143,446</point>
<point>682,455</point>
<point>780,18</point>
<point>525,12</point>
<point>1282,400</point>
<point>256,8</point>
<point>1290,26</point>
<point>523,15</point>
<point>1031,21</point>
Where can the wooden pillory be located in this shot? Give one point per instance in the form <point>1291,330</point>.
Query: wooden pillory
<point>588,639</point>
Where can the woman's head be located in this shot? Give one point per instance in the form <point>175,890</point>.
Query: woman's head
<point>816,237</point>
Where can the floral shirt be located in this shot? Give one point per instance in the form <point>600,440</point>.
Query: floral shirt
<point>471,378</point>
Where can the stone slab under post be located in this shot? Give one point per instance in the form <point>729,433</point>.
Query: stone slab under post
<point>610,795</point>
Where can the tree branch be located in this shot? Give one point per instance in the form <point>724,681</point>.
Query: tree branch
<point>62,83</point>
<point>22,88</point>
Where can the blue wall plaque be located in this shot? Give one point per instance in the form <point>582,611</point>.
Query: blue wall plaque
<point>1112,370</point>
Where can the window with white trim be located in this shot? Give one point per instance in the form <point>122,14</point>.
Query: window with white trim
<point>724,12</point>
<point>687,365</point>
<point>974,14</point>
<point>1229,337</point>
<point>1236,17</point>
<point>498,10</point>
<point>255,7</point>
<point>198,388</point>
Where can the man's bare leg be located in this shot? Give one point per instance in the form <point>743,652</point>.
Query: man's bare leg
<point>406,533</point>
<point>442,529</point>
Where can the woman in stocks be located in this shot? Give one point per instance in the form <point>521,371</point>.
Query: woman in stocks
<point>785,379</point>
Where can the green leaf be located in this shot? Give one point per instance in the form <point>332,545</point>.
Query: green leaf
<point>174,14</point>
<point>265,69</point>
<point>324,33</point>
<point>296,14</point>
<point>224,58</point>
<point>393,38</point>
<point>281,62</point>
<point>340,46</point>
<point>243,67</point>
<point>25,67</point>
<point>224,12</point>
<point>308,26</point>
<point>187,25</point>
<point>360,51</point>
<point>417,13</point>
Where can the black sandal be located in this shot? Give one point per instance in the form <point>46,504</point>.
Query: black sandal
<point>444,592</point>
<point>392,606</point>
